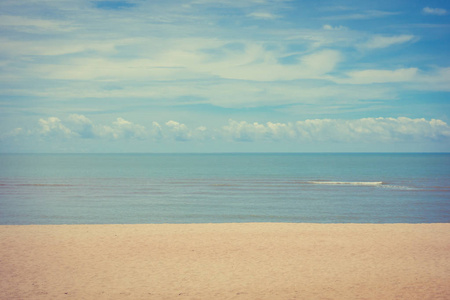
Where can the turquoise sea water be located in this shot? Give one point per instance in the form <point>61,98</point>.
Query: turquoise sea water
<point>210,188</point>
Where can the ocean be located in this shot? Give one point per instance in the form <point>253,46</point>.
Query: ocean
<point>223,188</point>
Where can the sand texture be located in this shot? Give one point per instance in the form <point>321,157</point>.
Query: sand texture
<point>226,261</point>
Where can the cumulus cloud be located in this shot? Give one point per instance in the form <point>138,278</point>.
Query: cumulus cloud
<point>321,130</point>
<point>380,41</point>
<point>373,129</point>
<point>202,133</point>
<point>243,131</point>
<point>434,11</point>
<point>125,129</point>
<point>165,43</point>
<point>180,131</point>
<point>247,132</point>
<point>83,126</point>
<point>79,126</point>
<point>366,130</point>
<point>53,126</point>
<point>156,131</point>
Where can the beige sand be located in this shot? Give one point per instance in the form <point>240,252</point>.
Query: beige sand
<point>226,261</point>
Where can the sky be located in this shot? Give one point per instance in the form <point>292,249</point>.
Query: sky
<point>81,76</point>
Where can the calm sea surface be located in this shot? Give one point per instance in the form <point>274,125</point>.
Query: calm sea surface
<point>210,188</point>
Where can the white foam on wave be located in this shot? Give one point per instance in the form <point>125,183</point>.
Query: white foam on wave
<point>369,183</point>
<point>400,187</point>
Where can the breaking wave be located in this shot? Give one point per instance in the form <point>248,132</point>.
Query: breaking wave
<point>368,183</point>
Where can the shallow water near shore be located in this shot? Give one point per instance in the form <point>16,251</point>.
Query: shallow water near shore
<point>224,188</point>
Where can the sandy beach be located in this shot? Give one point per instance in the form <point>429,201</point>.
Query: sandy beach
<point>226,261</point>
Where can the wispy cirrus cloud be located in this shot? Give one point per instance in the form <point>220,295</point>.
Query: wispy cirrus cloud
<point>330,27</point>
<point>362,15</point>
<point>437,79</point>
<point>380,76</point>
<point>213,60</point>
<point>262,65</point>
<point>434,11</point>
<point>34,25</point>
<point>202,59</point>
<point>380,41</point>
<point>263,15</point>
<point>113,5</point>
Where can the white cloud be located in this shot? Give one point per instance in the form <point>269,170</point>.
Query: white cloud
<point>280,131</point>
<point>33,25</point>
<point>243,131</point>
<point>321,62</point>
<point>334,28</point>
<point>258,64</point>
<point>83,126</point>
<point>180,131</point>
<point>202,133</point>
<point>380,41</point>
<point>366,130</point>
<point>291,93</point>
<point>263,15</point>
<point>53,127</point>
<point>363,15</point>
<point>175,59</point>
<point>434,11</point>
<point>16,132</point>
<point>380,129</point>
<point>435,80</point>
<point>122,128</point>
<point>156,131</point>
<point>61,47</point>
<point>326,130</point>
<point>379,76</point>
<point>230,94</point>
<point>159,59</point>
<point>174,55</point>
<point>239,4</point>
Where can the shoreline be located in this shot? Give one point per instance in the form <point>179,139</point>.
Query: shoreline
<point>226,261</point>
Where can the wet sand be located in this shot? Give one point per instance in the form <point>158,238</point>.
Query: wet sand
<point>226,261</point>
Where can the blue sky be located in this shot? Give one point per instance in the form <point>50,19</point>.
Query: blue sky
<point>222,75</point>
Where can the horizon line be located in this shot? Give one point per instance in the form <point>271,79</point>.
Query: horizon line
<point>236,152</point>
